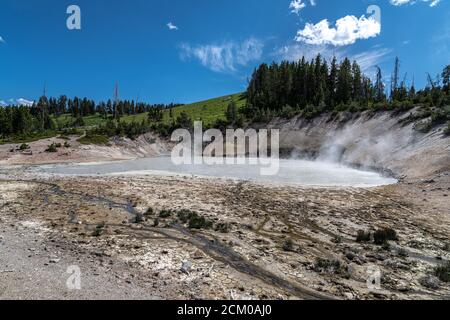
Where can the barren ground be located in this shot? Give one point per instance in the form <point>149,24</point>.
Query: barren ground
<point>47,226</point>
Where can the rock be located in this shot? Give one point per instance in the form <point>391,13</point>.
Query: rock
<point>402,287</point>
<point>349,296</point>
<point>430,282</point>
<point>186,267</point>
<point>198,255</point>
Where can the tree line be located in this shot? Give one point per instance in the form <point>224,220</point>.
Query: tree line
<point>43,115</point>
<point>316,86</point>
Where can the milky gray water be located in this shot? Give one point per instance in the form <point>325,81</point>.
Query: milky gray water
<point>298,172</point>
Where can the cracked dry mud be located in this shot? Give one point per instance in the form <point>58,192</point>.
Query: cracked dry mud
<point>50,224</point>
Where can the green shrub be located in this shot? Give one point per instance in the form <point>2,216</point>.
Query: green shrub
<point>164,214</point>
<point>197,222</point>
<point>24,147</point>
<point>382,236</point>
<point>52,148</point>
<point>331,267</point>
<point>447,130</point>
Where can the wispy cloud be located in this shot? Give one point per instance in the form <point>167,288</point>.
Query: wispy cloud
<point>225,57</point>
<point>16,102</point>
<point>298,5</point>
<point>366,59</point>
<point>432,3</point>
<point>171,26</point>
<point>2,40</point>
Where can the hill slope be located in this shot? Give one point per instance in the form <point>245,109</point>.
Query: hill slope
<point>207,111</point>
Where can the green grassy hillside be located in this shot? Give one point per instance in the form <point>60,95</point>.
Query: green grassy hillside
<point>207,111</point>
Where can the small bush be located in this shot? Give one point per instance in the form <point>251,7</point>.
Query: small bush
<point>331,267</point>
<point>197,222</point>
<point>99,229</point>
<point>382,236</point>
<point>24,147</point>
<point>337,239</point>
<point>52,148</point>
<point>288,245</point>
<point>67,145</point>
<point>164,214</point>
<point>447,130</point>
<point>363,236</point>
<point>443,272</point>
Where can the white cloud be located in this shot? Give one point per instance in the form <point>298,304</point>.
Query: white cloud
<point>2,40</point>
<point>225,57</point>
<point>171,26</point>
<point>432,3</point>
<point>296,6</point>
<point>348,29</point>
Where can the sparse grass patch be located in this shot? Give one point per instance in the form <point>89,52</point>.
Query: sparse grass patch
<point>337,239</point>
<point>94,139</point>
<point>331,267</point>
<point>222,227</point>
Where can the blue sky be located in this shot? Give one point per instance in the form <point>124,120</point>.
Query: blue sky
<point>189,50</point>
